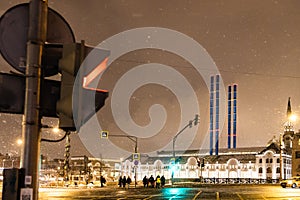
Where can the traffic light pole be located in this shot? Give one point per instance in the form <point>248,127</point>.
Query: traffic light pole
<point>37,32</point>
<point>135,140</point>
<point>190,124</point>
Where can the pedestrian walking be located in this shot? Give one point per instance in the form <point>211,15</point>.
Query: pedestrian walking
<point>120,181</point>
<point>145,181</point>
<point>124,181</point>
<point>157,180</point>
<point>128,181</point>
<point>163,181</point>
<point>103,181</point>
<point>151,181</point>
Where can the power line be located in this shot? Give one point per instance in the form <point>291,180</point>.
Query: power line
<point>221,70</point>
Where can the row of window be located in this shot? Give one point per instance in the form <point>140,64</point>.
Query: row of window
<point>269,170</point>
<point>269,160</point>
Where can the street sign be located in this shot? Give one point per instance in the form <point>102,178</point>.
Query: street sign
<point>136,162</point>
<point>14,25</point>
<point>136,156</point>
<point>104,134</point>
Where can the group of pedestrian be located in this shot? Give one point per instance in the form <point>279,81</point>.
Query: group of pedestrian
<point>124,181</point>
<point>157,182</point>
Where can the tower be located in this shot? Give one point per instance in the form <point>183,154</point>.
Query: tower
<point>214,112</point>
<point>291,141</point>
<point>232,116</point>
<point>211,115</point>
<point>288,130</point>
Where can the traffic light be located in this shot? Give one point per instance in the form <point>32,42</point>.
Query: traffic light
<point>78,101</point>
<point>196,120</point>
<point>178,160</point>
<point>200,162</point>
<point>191,123</point>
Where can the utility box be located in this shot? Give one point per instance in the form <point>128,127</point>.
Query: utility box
<point>13,181</point>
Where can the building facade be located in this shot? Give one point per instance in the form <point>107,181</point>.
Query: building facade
<point>261,163</point>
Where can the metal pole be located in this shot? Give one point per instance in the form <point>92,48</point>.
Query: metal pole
<point>31,120</point>
<point>280,158</point>
<point>135,151</point>
<point>174,139</point>
<point>135,140</point>
<point>67,159</point>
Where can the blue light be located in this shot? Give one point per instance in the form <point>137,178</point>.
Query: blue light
<point>175,191</point>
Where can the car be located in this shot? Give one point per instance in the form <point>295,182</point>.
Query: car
<point>291,182</point>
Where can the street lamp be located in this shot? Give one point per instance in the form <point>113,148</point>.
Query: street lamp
<point>19,143</point>
<point>55,130</point>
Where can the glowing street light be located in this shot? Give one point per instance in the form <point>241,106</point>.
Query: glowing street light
<point>19,142</point>
<point>293,118</point>
<point>55,130</point>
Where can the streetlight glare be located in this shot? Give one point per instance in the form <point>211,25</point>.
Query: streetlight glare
<point>293,118</point>
<point>19,141</point>
<point>55,130</point>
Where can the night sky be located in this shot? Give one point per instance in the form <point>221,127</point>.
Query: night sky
<point>253,43</point>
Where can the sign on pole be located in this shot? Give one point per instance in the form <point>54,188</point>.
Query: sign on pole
<point>104,134</point>
<point>136,156</point>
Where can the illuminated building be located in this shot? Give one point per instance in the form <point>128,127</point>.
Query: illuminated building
<point>255,163</point>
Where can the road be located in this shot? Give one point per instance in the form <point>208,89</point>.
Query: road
<point>211,192</point>
<point>207,192</point>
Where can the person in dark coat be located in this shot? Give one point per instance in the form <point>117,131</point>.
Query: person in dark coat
<point>124,181</point>
<point>151,181</point>
<point>145,181</point>
<point>163,181</point>
<point>128,181</point>
<point>103,181</point>
<point>120,181</point>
